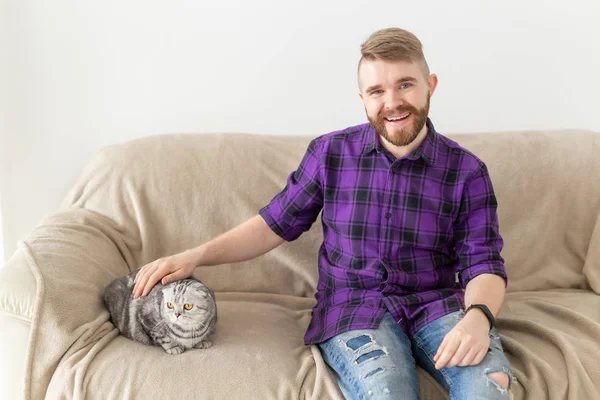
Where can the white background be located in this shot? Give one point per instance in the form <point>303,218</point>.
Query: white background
<point>78,75</point>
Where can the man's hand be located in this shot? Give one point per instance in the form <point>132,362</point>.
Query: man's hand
<point>166,270</point>
<point>466,344</point>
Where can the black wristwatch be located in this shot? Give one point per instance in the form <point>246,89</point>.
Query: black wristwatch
<point>486,311</point>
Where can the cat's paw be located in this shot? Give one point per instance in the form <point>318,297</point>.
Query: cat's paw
<point>204,344</point>
<point>175,350</point>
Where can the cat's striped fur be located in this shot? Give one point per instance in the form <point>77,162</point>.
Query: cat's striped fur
<point>161,318</point>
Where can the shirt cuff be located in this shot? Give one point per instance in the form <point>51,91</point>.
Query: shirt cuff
<point>467,274</point>
<point>272,223</point>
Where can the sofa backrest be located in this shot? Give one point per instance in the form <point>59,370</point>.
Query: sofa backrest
<point>171,192</point>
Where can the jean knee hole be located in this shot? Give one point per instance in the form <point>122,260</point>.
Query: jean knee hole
<point>358,342</point>
<point>376,371</point>
<point>370,356</point>
<point>507,373</point>
<point>498,385</point>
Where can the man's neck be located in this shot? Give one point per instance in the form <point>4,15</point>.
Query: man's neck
<point>401,151</point>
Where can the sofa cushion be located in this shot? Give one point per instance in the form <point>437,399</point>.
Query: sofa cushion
<point>257,352</point>
<point>551,340</point>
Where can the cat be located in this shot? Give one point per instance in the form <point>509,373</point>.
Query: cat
<point>178,316</point>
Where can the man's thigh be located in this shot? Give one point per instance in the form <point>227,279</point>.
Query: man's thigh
<point>473,381</point>
<point>373,363</point>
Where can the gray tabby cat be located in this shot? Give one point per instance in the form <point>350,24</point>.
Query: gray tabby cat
<point>178,316</point>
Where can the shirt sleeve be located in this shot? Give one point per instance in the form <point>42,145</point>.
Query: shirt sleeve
<point>293,210</point>
<point>477,238</point>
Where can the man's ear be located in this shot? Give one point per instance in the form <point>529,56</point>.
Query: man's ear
<point>433,81</point>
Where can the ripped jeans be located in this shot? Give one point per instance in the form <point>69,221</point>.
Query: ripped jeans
<point>381,363</point>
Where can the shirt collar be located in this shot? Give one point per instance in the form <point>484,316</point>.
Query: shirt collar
<point>427,150</point>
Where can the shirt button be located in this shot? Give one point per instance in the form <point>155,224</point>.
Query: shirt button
<point>388,215</point>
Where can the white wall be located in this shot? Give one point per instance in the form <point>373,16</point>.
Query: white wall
<point>84,74</point>
<point>3,111</point>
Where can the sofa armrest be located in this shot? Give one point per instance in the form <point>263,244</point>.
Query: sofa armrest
<point>51,293</point>
<point>17,288</point>
<point>17,297</point>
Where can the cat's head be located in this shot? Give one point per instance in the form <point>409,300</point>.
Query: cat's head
<point>187,303</point>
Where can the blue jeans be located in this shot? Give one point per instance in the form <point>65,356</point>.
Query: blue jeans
<point>381,363</point>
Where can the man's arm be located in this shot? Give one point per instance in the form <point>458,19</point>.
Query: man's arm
<point>246,241</point>
<point>488,289</point>
<point>481,272</point>
<point>286,217</point>
<point>467,343</point>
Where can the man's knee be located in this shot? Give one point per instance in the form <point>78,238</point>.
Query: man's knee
<point>501,378</point>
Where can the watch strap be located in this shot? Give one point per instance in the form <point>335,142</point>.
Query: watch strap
<point>486,311</point>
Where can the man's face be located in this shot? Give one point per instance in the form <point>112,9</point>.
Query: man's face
<point>396,97</point>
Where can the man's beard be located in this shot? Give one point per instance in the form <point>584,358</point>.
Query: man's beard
<point>406,135</point>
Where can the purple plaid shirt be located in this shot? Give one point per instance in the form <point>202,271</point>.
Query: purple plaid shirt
<point>404,235</point>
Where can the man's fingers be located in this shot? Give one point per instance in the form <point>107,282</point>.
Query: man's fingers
<point>149,275</point>
<point>136,286</point>
<point>143,277</point>
<point>447,354</point>
<point>440,349</point>
<point>152,279</point>
<point>140,273</point>
<point>175,276</point>
<point>468,358</point>
<point>156,276</point>
<point>479,357</point>
<point>460,354</point>
<point>138,279</point>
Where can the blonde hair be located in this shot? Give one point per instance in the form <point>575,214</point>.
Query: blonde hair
<point>394,44</point>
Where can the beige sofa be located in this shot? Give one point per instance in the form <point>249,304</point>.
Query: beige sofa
<point>159,195</point>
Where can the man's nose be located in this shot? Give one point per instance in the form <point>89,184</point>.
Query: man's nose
<point>394,100</point>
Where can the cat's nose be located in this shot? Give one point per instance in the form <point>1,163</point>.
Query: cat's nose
<point>177,314</point>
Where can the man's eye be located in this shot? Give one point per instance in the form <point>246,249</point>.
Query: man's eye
<point>377,92</point>
<point>405,86</point>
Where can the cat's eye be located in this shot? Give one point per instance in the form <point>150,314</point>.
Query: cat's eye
<point>170,305</point>
<point>188,306</point>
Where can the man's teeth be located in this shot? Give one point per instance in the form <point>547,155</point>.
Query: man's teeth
<point>397,118</point>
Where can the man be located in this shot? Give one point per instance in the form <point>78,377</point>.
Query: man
<point>410,270</point>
